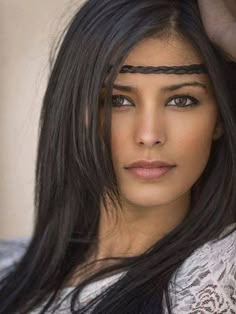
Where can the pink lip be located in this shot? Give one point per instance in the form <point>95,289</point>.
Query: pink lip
<point>149,173</point>
<point>149,164</point>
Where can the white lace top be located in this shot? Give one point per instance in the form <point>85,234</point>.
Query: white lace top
<point>205,283</point>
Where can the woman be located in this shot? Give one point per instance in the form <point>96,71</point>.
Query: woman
<point>135,168</point>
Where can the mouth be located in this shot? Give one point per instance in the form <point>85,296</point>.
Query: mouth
<point>149,173</point>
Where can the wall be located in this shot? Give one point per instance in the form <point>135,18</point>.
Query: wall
<point>28,29</point>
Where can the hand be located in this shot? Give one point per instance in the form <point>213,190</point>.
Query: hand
<point>219,20</point>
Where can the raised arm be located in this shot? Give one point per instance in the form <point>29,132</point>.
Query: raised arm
<point>219,19</point>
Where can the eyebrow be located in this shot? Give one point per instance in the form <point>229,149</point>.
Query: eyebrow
<point>172,87</point>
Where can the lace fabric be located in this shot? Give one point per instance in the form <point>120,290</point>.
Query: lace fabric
<point>205,283</point>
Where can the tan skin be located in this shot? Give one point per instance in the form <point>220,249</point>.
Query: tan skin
<point>222,32</point>
<point>150,126</point>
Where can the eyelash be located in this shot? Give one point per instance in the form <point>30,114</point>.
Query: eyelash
<point>193,100</point>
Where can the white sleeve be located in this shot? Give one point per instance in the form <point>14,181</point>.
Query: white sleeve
<point>206,281</point>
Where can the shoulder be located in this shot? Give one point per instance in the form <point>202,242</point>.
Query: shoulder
<point>206,281</point>
<point>10,252</point>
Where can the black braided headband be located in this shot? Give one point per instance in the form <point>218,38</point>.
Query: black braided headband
<point>178,69</point>
<point>183,69</point>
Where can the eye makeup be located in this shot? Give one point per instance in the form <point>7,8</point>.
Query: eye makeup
<point>183,101</point>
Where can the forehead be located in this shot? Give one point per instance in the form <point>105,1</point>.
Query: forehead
<point>171,59</point>
<point>165,51</point>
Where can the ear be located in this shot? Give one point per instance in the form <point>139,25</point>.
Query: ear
<point>218,131</point>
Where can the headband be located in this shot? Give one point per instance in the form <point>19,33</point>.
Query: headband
<point>183,69</point>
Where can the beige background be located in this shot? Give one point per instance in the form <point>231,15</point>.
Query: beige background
<point>28,29</point>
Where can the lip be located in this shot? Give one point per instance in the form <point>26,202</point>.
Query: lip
<point>146,169</point>
<point>149,173</point>
<point>149,164</point>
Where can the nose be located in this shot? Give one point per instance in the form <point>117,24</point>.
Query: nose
<point>150,128</point>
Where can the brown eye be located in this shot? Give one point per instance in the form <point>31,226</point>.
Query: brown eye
<point>180,101</point>
<point>183,101</point>
<point>120,101</point>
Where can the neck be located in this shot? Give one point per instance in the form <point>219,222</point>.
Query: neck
<point>132,230</point>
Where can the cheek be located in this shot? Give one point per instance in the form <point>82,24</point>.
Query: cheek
<point>121,136</point>
<point>193,145</point>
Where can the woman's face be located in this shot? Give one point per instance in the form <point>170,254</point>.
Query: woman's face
<point>156,119</point>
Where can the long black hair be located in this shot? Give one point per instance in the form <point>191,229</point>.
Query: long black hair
<point>74,168</point>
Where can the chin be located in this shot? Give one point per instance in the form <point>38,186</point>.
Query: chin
<point>142,200</point>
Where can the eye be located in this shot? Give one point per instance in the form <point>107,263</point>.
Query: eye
<point>120,101</point>
<point>183,101</point>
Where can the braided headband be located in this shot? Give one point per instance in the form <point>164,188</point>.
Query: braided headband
<point>183,69</point>
<point>178,69</point>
